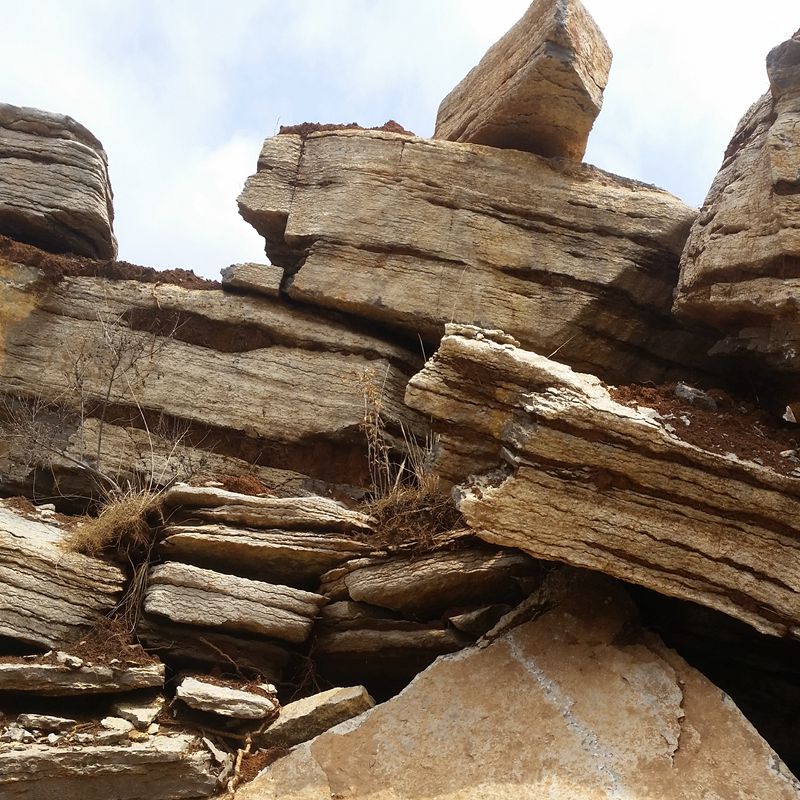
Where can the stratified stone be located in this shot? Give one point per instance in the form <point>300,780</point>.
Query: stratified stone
<point>560,255</point>
<point>740,270</point>
<point>565,473</point>
<point>44,723</point>
<point>539,88</point>
<point>579,704</point>
<point>304,719</point>
<point>49,596</point>
<point>226,701</point>
<point>54,186</point>
<point>195,596</point>
<point>258,278</point>
<point>140,713</point>
<point>56,680</point>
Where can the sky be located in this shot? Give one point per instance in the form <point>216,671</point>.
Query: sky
<point>182,93</point>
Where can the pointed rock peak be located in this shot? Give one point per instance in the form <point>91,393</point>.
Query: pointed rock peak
<point>783,66</point>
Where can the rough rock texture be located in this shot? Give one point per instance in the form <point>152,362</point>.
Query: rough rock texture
<point>48,596</point>
<point>740,269</point>
<point>162,768</point>
<point>304,719</point>
<point>242,377</point>
<point>578,704</point>
<point>195,596</point>
<point>55,680</point>
<point>225,701</point>
<point>54,186</point>
<point>539,88</point>
<point>561,255</point>
<point>257,278</point>
<point>601,485</point>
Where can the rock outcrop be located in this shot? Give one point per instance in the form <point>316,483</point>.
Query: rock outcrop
<point>565,473</point>
<point>54,186</point>
<point>740,269</point>
<point>561,255</point>
<point>577,704</point>
<point>539,88</point>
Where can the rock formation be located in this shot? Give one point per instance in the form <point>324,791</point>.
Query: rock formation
<point>54,186</point>
<point>739,269</point>
<point>539,88</point>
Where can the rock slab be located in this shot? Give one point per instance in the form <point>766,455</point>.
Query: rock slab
<point>539,88</point>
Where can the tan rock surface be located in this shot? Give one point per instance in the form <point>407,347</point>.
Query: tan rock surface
<point>560,255</point>
<point>194,596</point>
<point>577,704</point>
<point>539,88</point>
<point>739,270</point>
<point>225,701</point>
<point>56,680</point>
<point>54,186</point>
<point>49,596</point>
<point>601,485</point>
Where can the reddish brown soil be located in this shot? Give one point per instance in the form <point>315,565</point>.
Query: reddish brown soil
<point>735,427</point>
<point>58,267</point>
<point>304,129</point>
<point>22,505</point>
<point>243,484</point>
<point>253,763</point>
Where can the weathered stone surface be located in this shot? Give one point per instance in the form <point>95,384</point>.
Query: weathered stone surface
<point>54,186</point>
<point>56,680</point>
<point>560,255</point>
<point>162,768</point>
<point>594,708</point>
<point>539,88</point>
<point>49,596</point>
<point>739,270</point>
<point>423,586</point>
<point>601,485</point>
<point>44,723</point>
<point>225,701</point>
<point>140,713</point>
<point>195,596</point>
<point>244,377</point>
<point>293,557</point>
<point>258,278</point>
<point>304,719</point>
<point>479,621</point>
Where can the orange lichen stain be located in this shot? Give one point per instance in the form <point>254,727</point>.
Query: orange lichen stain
<point>18,298</point>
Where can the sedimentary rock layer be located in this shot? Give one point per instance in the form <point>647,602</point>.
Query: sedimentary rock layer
<point>54,186</point>
<point>568,474</point>
<point>55,680</point>
<point>576,705</point>
<point>740,269</point>
<point>49,596</point>
<point>539,88</point>
<point>561,255</point>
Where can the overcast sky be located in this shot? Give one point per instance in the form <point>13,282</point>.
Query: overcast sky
<point>183,92</point>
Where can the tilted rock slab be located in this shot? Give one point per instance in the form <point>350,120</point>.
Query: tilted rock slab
<point>225,701</point>
<point>54,186</point>
<point>539,88</point>
<point>596,484</point>
<point>162,768</point>
<point>49,596</point>
<point>55,680</point>
<point>576,705</point>
<point>195,596</point>
<point>740,270</point>
<point>561,255</point>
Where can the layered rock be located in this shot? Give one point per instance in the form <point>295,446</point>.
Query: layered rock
<point>740,269</point>
<point>539,88</point>
<point>566,473</point>
<point>561,255</point>
<point>57,680</point>
<point>225,701</point>
<point>49,596</point>
<point>594,707</point>
<point>54,186</point>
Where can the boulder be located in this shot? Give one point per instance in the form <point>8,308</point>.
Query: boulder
<point>256,278</point>
<point>565,473</point>
<point>49,596</point>
<point>740,269</point>
<point>193,596</point>
<point>304,719</point>
<point>561,255</point>
<point>226,701</point>
<point>578,704</point>
<point>539,88</point>
<point>57,680</point>
<point>54,186</point>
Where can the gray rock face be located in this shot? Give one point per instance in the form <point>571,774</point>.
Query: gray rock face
<point>55,680</point>
<point>560,255</point>
<point>539,88</point>
<point>739,269</point>
<point>54,186</point>
<point>225,701</point>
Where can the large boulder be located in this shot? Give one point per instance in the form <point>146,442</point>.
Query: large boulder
<point>740,269</point>
<point>561,255</point>
<point>54,186</point>
<point>539,88</point>
<point>578,704</point>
